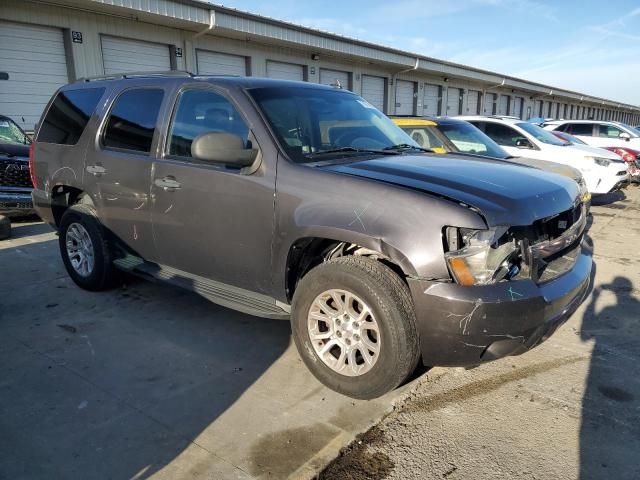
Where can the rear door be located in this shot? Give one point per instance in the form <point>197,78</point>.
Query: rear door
<point>208,219</point>
<point>118,166</point>
<point>583,131</point>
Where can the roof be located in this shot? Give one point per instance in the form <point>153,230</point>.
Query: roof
<point>494,118</point>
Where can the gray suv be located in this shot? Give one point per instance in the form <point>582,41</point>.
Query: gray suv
<point>299,201</point>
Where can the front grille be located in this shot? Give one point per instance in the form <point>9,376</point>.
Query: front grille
<point>552,267</point>
<point>14,173</point>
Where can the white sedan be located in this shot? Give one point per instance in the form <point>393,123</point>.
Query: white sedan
<point>598,133</point>
<point>603,171</point>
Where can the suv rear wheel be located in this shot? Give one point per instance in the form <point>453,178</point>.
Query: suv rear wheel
<point>353,322</point>
<point>85,250</point>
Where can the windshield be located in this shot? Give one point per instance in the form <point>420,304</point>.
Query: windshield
<point>569,138</point>
<point>310,121</point>
<point>633,130</point>
<point>469,139</point>
<point>10,132</point>
<point>542,135</point>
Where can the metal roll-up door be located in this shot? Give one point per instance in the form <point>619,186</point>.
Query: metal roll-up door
<point>453,101</point>
<point>473,102</point>
<point>121,55</point>
<point>405,97</point>
<point>490,103</point>
<point>503,105</point>
<point>335,77</point>
<point>285,71</point>
<point>33,56</point>
<point>516,110</point>
<point>373,91</point>
<point>431,100</point>
<point>216,63</point>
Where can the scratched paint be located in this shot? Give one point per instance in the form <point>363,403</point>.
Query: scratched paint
<point>465,320</point>
<point>359,217</point>
<point>513,293</point>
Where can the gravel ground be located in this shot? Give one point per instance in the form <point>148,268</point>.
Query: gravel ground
<point>568,409</point>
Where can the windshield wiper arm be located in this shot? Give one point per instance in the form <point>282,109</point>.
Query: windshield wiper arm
<point>351,150</point>
<point>406,146</point>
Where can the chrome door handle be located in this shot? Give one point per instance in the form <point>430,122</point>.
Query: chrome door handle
<point>96,170</point>
<point>169,184</point>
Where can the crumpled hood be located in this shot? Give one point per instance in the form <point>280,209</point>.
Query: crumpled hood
<point>505,194</point>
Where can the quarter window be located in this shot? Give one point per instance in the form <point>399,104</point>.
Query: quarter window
<point>132,121</point>
<point>608,131</point>
<point>201,111</point>
<point>68,116</point>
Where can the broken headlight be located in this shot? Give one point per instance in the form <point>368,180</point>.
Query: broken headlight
<point>485,256</point>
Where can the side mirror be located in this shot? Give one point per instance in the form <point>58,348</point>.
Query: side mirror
<point>625,136</point>
<point>225,148</point>
<point>523,143</point>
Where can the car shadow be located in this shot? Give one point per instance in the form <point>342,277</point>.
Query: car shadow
<point>119,384</point>
<point>610,430</point>
<point>608,200</point>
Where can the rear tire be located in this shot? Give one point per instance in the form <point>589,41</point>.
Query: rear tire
<point>85,250</point>
<point>369,313</point>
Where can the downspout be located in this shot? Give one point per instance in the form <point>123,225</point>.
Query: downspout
<point>394,77</point>
<point>484,93</point>
<point>190,47</point>
<point>212,25</point>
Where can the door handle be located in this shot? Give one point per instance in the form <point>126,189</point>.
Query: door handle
<point>96,170</point>
<point>169,184</point>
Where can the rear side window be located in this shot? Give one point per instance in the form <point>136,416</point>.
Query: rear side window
<point>585,129</point>
<point>132,120</point>
<point>608,131</point>
<point>68,116</point>
<point>503,135</point>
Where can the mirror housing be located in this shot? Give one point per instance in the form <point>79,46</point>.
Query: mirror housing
<point>625,136</point>
<point>523,143</point>
<point>225,148</point>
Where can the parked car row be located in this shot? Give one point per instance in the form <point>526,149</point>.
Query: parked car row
<point>304,202</point>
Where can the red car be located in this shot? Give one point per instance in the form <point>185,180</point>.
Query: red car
<point>629,155</point>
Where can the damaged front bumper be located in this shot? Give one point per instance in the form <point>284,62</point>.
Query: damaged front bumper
<point>464,326</point>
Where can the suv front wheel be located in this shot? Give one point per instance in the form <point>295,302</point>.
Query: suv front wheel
<point>353,322</point>
<point>85,250</point>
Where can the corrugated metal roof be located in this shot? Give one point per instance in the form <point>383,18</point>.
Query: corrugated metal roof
<point>282,31</point>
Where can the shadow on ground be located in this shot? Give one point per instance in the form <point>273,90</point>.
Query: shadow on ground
<point>115,384</point>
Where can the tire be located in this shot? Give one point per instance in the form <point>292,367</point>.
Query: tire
<point>380,291</point>
<point>5,227</point>
<point>82,219</point>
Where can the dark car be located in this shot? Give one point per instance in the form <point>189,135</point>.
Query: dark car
<point>299,201</point>
<point>15,181</point>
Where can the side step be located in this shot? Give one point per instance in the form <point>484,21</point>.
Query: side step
<point>226,295</point>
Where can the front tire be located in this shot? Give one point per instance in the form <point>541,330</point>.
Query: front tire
<point>354,325</point>
<point>85,250</point>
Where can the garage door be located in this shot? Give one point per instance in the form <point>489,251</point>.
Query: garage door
<point>490,103</point>
<point>216,63</point>
<point>373,89</point>
<point>285,71</point>
<point>33,56</point>
<point>431,100</point>
<point>404,97</point>
<point>333,77</point>
<point>473,102</point>
<point>516,109</point>
<point>126,55</point>
<point>503,105</point>
<point>453,101</point>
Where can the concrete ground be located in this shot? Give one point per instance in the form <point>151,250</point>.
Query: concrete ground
<point>150,381</point>
<point>568,409</point>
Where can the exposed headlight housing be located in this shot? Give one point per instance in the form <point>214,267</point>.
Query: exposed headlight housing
<point>585,196</point>
<point>485,257</point>
<point>603,162</point>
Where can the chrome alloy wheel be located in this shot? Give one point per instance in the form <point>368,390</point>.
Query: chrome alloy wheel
<point>344,333</point>
<point>80,249</point>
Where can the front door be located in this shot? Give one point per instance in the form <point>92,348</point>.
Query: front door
<point>118,167</point>
<point>209,219</point>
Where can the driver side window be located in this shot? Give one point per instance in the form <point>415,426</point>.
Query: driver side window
<point>201,111</point>
<point>503,135</point>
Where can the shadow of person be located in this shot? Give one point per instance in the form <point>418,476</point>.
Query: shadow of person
<point>610,429</point>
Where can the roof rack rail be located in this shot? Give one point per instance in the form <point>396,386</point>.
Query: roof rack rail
<point>119,76</point>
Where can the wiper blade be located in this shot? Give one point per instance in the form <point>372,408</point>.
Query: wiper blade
<point>351,150</point>
<point>406,146</point>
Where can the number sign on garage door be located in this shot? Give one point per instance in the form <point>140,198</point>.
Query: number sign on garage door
<point>285,71</point>
<point>34,58</point>
<point>473,102</point>
<point>405,97</point>
<point>431,102</point>
<point>373,91</point>
<point>216,63</point>
<point>335,77</point>
<point>453,101</point>
<point>121,55</point>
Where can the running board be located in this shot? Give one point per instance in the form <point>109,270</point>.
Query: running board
<point>220,293</point>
